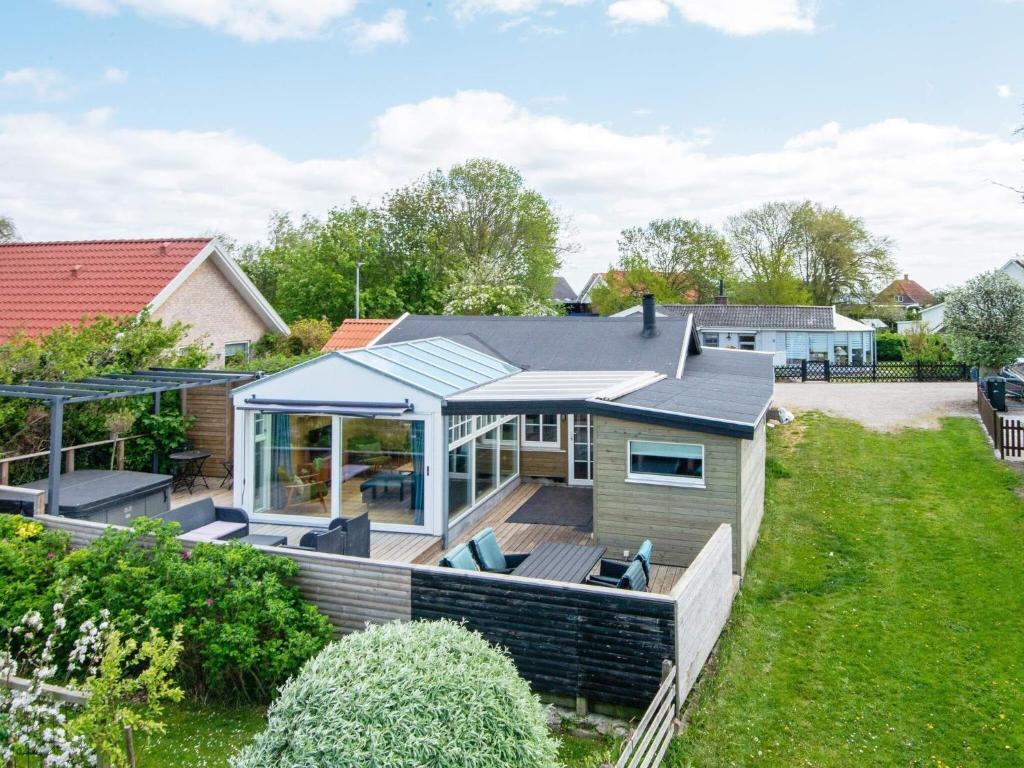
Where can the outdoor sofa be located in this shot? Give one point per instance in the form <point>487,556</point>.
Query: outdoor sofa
<point>202,521</point>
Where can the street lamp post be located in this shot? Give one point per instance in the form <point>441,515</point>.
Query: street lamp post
<point>358,265</point>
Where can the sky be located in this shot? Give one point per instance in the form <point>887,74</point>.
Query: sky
<point>161,118</point>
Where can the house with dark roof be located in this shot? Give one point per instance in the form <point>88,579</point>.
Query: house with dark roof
<point>790,333</point>
<point>47,285</point>
<point>597,431</point>
<point>562,292</point>
<point>906,294</point>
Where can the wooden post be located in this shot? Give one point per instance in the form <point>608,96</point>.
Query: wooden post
<point>5,473</point>
<point>129,746</point>
<point>582,707</point>
<point>69,460</point>
<point>119,455</point>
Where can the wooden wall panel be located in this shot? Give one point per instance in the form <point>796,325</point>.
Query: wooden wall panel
<point>213,429</point>
<point>548,463</point>
<point>601,644</point>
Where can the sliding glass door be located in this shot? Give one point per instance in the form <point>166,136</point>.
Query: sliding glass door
<point>292,464</point>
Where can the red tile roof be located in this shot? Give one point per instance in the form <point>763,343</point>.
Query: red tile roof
<point>45,285</point>
<point>356,334</point>
<point>912,289</point>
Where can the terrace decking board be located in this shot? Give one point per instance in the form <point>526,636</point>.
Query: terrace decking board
<point>569,640</point>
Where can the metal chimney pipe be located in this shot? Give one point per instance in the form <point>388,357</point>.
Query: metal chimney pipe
<point>650,327</point>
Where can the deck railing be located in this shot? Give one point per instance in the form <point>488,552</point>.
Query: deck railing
<point>69,453</point>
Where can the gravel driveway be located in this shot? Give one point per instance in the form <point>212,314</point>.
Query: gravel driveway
<point>881,406</point>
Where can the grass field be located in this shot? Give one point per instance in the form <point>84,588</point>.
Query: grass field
<point>882,618</point>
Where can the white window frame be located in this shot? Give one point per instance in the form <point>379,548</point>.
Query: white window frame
<point>248,348</point>
<point>649,479</point>
<point>470,437</point>
<point>541,445</point>
<point>752,342</point>
<point>705,341</point>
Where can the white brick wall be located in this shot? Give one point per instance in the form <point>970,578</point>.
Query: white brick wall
<point>216,311</point>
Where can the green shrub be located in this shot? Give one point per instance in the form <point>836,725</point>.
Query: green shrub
<point>888,345</point>
<point>245,629</point>
<point>406,695</point>
<point>29,556</point>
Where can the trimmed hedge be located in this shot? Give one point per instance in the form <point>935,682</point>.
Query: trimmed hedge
<point>403,696</point>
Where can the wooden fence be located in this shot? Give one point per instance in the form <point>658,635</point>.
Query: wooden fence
<point>647,744</point>
<point>594,644</point>
<point>1007,434</point>
<point>885,371</point>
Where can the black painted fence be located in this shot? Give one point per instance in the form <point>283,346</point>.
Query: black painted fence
<point>575,641</point>
<point>889,370</point>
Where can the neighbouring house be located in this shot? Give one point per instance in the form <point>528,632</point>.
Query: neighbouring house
<point>436,423</point>
<point>614,277</point>
<point>46,285</point>
<point>905,294</point>
<point>875,322</point>
<point>562,292</point>
<point>790,333</point>
<point>353,333</point>
<point>931,319</point>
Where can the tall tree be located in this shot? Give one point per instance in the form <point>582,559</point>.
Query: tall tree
<point>837,258</point>
<point>627,282</point>
<point>985,321</point>
<point>765,242</point>
<point>8,232</point>
<point>690,256</point>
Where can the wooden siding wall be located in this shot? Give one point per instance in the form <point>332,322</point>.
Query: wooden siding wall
<point>679,521</point>
<point>548,463</point>
<point>214,426</point>
<point>703,600</point>
<point>752,456</point>
<point>601,644</point>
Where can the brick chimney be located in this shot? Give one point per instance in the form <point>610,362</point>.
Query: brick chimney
<point>721,298</point>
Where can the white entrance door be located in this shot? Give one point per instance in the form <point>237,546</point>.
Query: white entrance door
<point>581,449</point>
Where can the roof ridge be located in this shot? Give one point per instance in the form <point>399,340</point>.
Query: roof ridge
<point>109,241</point>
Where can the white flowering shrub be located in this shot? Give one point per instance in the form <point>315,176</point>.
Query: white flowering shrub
<point>404,696</point>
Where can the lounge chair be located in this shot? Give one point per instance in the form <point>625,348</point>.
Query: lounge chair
<point>357,535</point>
<point>331,542</point>
<point>202,521</point>
<point>612,570</point>
<point>632,578</point>
<point>460,558</point>
<point>488,554</point>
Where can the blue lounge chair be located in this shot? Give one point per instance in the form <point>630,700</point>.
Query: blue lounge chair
<point>632,578</point>
<point>488,553</point>
<point>460,558</point>
<point>612,571</point>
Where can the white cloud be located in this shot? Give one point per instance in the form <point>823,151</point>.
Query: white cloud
<point>638,11</point>
<point>251,20</point>
<point>750,17</point>
<point>928,186</point>
<point>390,29</point>
<point>1003,91</point>
<point>115,75</point>
<point>466,9</point>
<point>44,84</point>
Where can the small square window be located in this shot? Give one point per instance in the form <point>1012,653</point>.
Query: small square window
<point>541,430</point>
<point>709,339</point>
<point>748,341</point>
<point>236,350</point>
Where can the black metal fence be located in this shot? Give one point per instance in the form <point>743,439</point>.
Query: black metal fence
<point>886,371</point>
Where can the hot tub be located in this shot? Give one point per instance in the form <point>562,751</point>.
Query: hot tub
<point>104,496</point>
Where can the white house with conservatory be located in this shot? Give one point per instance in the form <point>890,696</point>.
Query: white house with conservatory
<point>791,333</point>
<point>433,424</point>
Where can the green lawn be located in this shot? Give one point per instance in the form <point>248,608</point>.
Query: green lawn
<point>882,618</point>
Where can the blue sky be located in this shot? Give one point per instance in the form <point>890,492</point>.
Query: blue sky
<point>150,117</point>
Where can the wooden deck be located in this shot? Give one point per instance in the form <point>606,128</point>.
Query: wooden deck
<point>425,549</point>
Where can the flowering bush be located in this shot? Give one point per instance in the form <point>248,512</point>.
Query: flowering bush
<point>29,556</point>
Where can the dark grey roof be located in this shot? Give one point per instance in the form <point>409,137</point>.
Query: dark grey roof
<point>753,316</point>
<point>562,291</point>
<point>717,385</point>
<point>576,343</point>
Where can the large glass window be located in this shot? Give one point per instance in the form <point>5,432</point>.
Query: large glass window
<point>748,341</point>
<point>485,462</point>
<point>460,480</point>
<point>292,464</point>
<point>382,470</point>
<point>509,450</point>
<point>541,430</point>
<point>675,463</point>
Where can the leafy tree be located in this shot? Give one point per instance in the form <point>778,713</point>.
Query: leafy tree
<point>8,232</point>
<point>625,286</point>
<point>838,259</point>
<point>476,224</point>
<point>765,242</point>
<point>985,321</point>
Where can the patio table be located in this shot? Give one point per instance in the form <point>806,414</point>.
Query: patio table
<point>190,471</point>
<point>571,563</point>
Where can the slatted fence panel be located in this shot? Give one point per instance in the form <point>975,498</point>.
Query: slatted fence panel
<point>647,744</point>
<point>1011,434</point>
<point>885,371</point>
<point>574,640</point>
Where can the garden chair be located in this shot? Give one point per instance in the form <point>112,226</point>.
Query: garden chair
<point>612,570</point>
<point>460,558</point>
<point>488,554</point>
